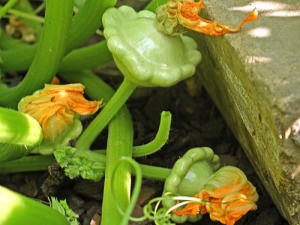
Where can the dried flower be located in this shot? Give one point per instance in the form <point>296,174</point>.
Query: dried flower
<point>226,196</point>
<point>55,106</point>
<point>185,13</point>
<point>18,29</point>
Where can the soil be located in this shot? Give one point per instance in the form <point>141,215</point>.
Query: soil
<point>196,122</point>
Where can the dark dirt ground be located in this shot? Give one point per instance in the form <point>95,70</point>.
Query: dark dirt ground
<point>196,123</point>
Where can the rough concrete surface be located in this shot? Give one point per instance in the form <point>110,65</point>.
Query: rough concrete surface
<point>254,78</point>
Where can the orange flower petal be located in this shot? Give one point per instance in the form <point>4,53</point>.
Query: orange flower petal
<point>189,18</point>
<point>190,209</point>
<point>55,106</point>
<point>227,203</point>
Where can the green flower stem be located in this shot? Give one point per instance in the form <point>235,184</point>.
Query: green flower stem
<point>160,139</point>
<point>108,112</point>
<point>27,164</point>
<point>25,15</point>
<point>86,58</point>
<point>155,172</point>
<point>49,53</point>
<point>6,7</point>
<point>96,89</point>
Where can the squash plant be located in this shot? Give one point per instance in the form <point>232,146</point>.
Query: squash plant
<point>38,115</point>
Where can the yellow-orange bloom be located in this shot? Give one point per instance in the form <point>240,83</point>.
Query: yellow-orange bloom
<point>188,11</point>
<point>227,196</point>
<point>55,106</point>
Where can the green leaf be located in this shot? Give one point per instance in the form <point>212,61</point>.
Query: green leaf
<point>62,207</point>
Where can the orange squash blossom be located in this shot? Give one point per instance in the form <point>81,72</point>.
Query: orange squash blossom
<point>55,106</point>
<point>188,17</point>
<point>226,204</point>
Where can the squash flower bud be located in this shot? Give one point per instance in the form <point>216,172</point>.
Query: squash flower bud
<point>55,107</point>
<point>227,195</point>
<point>188,176</point>
<point>144,55</point>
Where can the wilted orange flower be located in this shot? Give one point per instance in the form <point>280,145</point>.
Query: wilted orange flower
<point>227,196</point>
<point>55,106</point>
<point>188,11</point>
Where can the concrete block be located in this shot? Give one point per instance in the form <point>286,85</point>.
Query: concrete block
<point>254,78</point>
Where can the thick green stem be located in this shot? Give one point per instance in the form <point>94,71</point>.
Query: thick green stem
<point>84,24</point>
<point>155,172</point>
<point>48,55</point>
<point>120,140</point>
<point>104,117</point>
<point>119,144</point>
<point>8,5</point>
<point>86,58</point>
<point>42,162</point>
<point>87,20</point>
<point>27,164</point>
<point>80,59</point>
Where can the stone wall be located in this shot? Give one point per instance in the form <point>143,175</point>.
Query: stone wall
<point>254,78</point>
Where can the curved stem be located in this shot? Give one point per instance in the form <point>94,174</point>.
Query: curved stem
<point>160,139</point>
<point>136,189</point>
<point>48,55</point>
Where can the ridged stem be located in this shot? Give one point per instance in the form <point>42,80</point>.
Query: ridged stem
<point>48,55</point>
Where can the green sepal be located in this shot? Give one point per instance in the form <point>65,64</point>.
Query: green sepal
<point>71,132</point>
<point>19,134</point>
